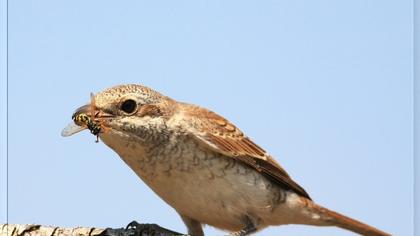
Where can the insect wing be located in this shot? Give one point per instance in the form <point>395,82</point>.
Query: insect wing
<point>71,129</point>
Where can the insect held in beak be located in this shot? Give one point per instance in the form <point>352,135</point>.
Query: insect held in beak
<point>82,121</point>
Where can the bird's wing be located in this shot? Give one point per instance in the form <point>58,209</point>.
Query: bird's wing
<point>223,137</point>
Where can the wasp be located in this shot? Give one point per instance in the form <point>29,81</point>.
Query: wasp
<point>82,121</point>
<point>86,120</point>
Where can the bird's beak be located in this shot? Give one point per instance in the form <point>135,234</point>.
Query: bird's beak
<point>100,117</point>
<point>92,111</point>
<point>86,109</point>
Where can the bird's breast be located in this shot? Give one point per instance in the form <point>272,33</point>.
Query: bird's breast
<point>202,184</point>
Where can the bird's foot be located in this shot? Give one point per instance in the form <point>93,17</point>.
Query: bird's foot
<point>248,229</point>
<point>243,232</point>
<point>137,229</point>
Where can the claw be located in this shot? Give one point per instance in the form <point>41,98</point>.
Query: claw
<point>136,229</point>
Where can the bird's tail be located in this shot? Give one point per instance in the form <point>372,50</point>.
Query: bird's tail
<point>336,219</point>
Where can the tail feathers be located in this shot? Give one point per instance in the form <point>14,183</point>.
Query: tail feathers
<point>342,221</point>
<point>354,225</point>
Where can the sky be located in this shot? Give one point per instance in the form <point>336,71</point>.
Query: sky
<point>326,87</point>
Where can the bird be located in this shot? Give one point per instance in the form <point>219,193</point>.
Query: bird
<point>202,165</point>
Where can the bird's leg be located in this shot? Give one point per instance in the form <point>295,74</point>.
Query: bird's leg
<point>193,226</point>
<point>250,227</point>
<point>150,229</point>
<point>136,229</point>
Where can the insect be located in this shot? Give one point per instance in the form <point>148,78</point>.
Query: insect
<point>86,120</point>
<point>82,121</point>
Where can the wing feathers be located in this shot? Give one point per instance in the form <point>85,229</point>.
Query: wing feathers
<point>223,137</point>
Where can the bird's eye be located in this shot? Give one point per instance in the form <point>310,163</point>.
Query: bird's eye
<point>129,106</point>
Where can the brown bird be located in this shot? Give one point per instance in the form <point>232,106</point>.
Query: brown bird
<point>202,165</point>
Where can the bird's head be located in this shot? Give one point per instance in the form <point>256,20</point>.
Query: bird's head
<point>124,113</point>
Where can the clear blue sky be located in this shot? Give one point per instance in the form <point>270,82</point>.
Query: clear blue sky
<point>324,86</point>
